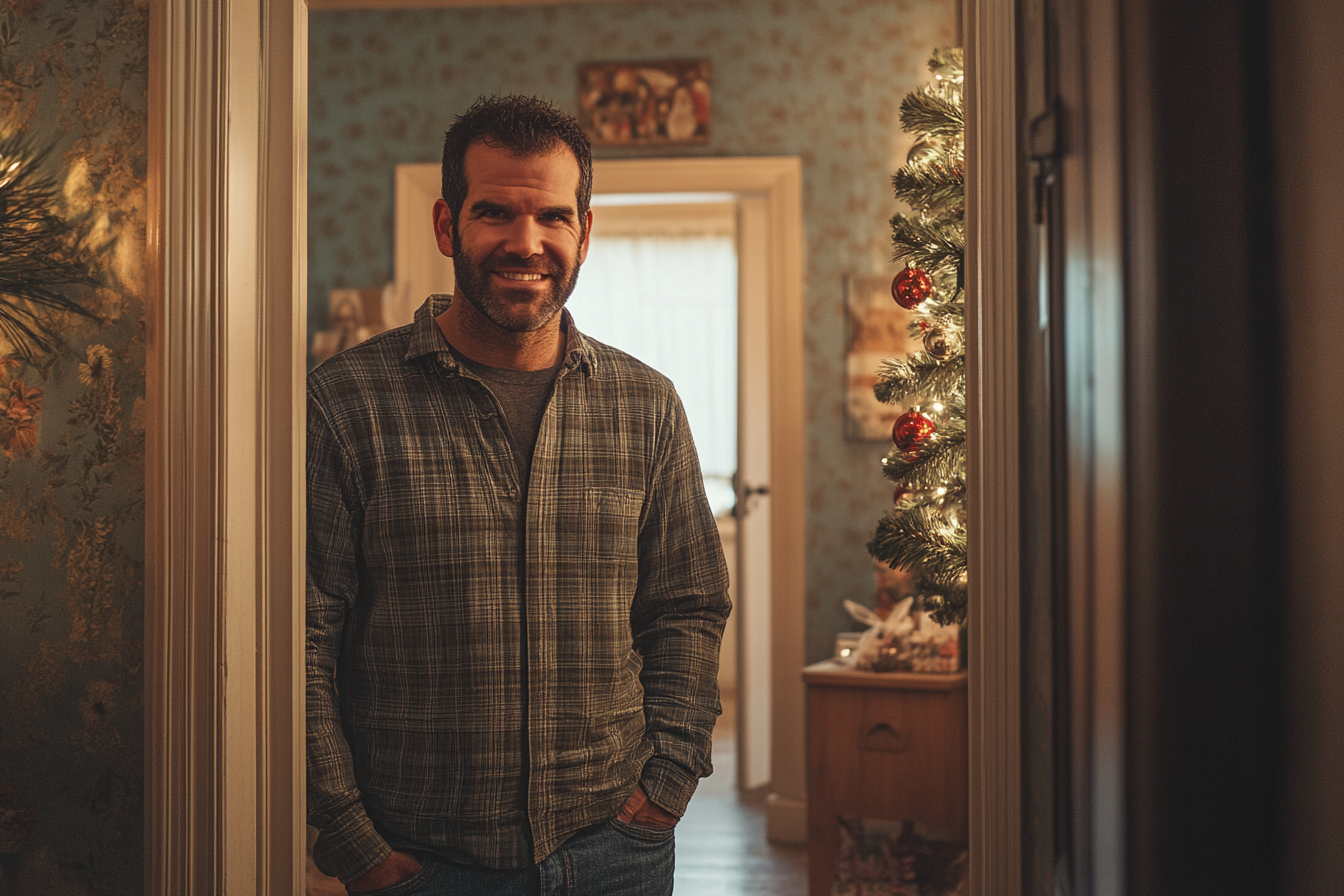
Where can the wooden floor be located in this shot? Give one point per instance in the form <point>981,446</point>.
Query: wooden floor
<point>721,845</point>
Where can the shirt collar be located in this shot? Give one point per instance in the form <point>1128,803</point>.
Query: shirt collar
<point>427,338</point>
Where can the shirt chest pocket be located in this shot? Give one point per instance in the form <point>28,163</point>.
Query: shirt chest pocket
<point>610,533</point>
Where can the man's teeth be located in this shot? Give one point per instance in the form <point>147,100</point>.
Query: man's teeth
<point>518,275</point>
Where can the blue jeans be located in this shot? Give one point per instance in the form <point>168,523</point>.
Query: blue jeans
<point>611,859</point>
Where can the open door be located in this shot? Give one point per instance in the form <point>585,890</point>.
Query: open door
<point>753,497</point>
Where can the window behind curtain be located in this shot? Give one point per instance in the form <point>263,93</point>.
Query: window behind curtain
<point>661,284</point>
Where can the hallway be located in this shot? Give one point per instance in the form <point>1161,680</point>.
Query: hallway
<point>721,845</point>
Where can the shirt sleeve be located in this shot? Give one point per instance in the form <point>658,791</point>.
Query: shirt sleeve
<point>347,845</point>
<point>679,612</point>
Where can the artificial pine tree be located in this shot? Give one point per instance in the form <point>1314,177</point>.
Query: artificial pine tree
<point>925,532</point>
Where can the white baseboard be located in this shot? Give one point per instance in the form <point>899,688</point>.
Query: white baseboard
<point>785,820</point>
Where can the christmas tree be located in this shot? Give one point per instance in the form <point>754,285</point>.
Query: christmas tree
<point>925,531</point>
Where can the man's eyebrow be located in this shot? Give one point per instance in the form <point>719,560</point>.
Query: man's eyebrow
<point>485,205</point>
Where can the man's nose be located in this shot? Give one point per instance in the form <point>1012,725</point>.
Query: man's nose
<point>524,237</point>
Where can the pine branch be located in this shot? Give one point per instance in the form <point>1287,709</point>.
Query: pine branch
<point>920,539</point>
<point>945,308</point>
<point>927,111</point>
<point>915,541</point>
<point>917,374</point>
<point>948,63</point>
<point>934,246</point>
<point>938,461</point>
<point>944,602</point>
<point>932,185</point>
<point>38,252</point>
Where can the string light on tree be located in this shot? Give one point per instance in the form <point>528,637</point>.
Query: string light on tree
<point>923,532</point>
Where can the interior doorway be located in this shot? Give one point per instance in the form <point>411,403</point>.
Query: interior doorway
<point>208,96</point>
<point>732,419</point>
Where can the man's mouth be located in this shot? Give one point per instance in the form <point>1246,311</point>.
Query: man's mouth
<point>519,275</point>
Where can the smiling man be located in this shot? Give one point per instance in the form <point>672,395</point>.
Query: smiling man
<point>516,591</point>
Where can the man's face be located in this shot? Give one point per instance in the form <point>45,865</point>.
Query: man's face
<point>518,241</point>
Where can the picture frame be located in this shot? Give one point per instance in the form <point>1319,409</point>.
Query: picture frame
<point>658,103</point>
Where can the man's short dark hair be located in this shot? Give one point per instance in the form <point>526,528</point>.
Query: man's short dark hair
<point>525,126</point>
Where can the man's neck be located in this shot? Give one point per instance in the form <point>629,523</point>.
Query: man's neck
<point>484,342</point>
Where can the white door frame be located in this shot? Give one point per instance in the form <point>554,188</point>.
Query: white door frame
<point>224,539</point>
<point>224,702</point>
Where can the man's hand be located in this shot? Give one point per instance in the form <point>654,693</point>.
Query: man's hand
<point>639,810</point>
<point>391,870</point>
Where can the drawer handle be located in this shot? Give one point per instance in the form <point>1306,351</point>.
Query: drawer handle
<point>884,738</point>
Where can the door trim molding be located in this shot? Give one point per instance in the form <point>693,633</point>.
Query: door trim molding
<point>993,214</point>
<point>224,471</point>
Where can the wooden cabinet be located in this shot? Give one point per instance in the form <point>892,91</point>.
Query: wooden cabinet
<point>881,745</point>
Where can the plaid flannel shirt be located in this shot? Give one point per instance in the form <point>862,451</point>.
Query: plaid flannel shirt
<point>471,695</point>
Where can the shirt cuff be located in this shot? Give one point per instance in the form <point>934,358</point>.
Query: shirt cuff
<point>668,785</point>
<point>349,846</point>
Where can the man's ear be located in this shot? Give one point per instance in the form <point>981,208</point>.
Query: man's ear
<point>587,233</point>
<point>443,227</point>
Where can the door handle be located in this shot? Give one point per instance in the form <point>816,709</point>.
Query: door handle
<point>743,492</point>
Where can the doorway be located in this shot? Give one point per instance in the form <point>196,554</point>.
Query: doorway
<point>756,202</point>
<point>241,757</point>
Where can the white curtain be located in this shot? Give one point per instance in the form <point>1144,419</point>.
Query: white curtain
<point>671,301</point>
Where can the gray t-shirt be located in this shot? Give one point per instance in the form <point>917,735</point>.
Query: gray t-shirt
<point>524,395</point>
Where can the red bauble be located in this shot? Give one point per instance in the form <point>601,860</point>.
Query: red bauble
<point>911,430</point>
<point>910,287</point>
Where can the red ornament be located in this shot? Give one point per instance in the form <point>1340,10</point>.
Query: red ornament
<point>911,430</point>
<point>910,287</point>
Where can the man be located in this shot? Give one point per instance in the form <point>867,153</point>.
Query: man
<point>516,591</point>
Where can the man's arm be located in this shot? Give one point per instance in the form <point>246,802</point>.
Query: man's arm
<point>679,612</point>
<point>347,847</point>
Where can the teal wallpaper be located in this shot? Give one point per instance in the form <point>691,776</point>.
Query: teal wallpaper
<point>820,79</point>
<point>73,78</point>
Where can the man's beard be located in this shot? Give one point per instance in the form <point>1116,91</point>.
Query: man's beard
<point>513,309</point>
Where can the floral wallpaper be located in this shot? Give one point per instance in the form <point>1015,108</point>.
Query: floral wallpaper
<point>820,79</point>
<point>73,80</point>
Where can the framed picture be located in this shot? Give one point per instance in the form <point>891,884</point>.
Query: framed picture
<point>645,103</point>
<point>877,329</point>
